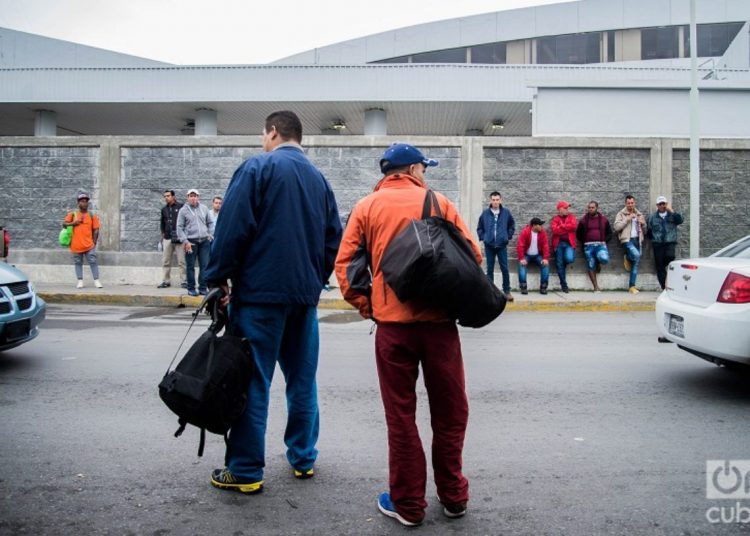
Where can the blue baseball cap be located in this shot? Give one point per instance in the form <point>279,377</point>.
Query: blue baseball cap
<point>403,154</point>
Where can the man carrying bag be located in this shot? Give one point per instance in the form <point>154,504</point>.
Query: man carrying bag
<point>409,334</point>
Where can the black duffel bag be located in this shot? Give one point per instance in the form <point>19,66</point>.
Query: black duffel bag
<point>208,387</point>
<point>431,262</point>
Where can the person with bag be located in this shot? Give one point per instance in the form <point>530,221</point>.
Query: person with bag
<point>278,240</point>
<point>409,334</point>
<point>171,244</point>
<point>85,234</point>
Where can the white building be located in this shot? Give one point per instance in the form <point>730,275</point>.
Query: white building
<point>582,68</point>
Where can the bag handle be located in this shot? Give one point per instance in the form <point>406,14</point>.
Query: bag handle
<point>217,317</point>
<point>430,200</point>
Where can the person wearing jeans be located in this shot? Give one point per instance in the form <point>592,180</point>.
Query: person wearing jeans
<point>543,271</point>
<point>277,244</point>
<point>533,247</point>
<point>630,224</point>
<point>564,227</point>
<point>287,334</point>
<point>195,230</point>
<point>496,228</point>
<point>594,231</point>
<point>83,241</point>
<point>199,250</point>
<point>662,228</point>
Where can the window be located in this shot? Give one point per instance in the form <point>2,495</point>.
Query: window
<point>451,55</point>
<point>400,59</point>
<point>575,48</point>
<point>713,39</point>
<point>611,46</point>
<point>660,43</point>
<point>489,53</point>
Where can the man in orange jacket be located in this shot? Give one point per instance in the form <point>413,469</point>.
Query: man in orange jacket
<point>408,335</point>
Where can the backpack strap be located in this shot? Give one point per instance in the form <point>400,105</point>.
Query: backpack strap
<point>182,422</point>
<point>202,442</point>
<point>430,200</point>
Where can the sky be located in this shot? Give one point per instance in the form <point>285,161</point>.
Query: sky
<point>209,32</point>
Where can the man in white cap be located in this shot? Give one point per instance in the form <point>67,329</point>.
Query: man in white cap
<point>662,229</point>
<point>195,229</point>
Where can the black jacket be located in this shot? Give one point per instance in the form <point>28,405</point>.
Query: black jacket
<point>169,220</point>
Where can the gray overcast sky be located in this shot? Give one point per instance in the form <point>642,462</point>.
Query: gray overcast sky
<point>228,31</point>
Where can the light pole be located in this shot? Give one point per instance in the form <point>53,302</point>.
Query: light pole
<point>695,191</point>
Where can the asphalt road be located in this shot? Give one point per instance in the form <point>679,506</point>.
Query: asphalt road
<point>581,423</point>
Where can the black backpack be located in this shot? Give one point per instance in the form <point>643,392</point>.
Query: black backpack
<point>208,388</point>
<point>430,261</point>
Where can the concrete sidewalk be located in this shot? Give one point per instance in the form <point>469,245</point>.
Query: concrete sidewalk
<point>141,295</point>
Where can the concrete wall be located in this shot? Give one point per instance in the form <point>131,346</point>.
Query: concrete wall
<point>126,176</point>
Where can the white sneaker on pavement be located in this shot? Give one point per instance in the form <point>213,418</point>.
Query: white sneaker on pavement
<point>80,283</point>
<point>97,284</point>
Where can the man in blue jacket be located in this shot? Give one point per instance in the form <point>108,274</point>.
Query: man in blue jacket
<point>277,241</point>
<point>496,228</point>
<point>662,229</point>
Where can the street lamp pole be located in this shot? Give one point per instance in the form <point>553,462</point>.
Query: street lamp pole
<point>694,139</point>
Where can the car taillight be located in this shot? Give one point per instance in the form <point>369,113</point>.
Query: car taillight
<point>736,289</point>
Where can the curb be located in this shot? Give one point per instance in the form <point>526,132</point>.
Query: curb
<point>580,306</point>
<point>144,300</point>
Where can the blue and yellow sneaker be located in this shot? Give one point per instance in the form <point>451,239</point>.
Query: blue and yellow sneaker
<point>302,475</point>
<point>224,479</point>
<point>386,508</point>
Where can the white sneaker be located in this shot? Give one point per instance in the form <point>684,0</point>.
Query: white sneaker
<point>80,283</point>
<point>97,284</point>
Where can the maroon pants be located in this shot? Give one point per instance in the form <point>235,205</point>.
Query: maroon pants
<point>399,349</point>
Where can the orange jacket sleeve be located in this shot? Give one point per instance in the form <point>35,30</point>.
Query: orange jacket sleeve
<point>353,265</point>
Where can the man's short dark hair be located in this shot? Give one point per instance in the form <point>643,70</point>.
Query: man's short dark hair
<point>400,169</point>
<point>218,197</point>
<point>629,196</point>
<point>594,203</point>
<point>169,192</point>
<point>493,194</point>
<point>287,124</point>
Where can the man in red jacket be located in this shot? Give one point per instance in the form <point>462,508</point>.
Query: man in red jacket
<point>564,227</point>
<point>533,246</point>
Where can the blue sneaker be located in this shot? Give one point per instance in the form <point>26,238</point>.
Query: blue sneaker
<point>192,292</point>
<point>386,508</point>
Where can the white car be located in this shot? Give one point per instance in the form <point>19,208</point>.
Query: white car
<point>705,307</point>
